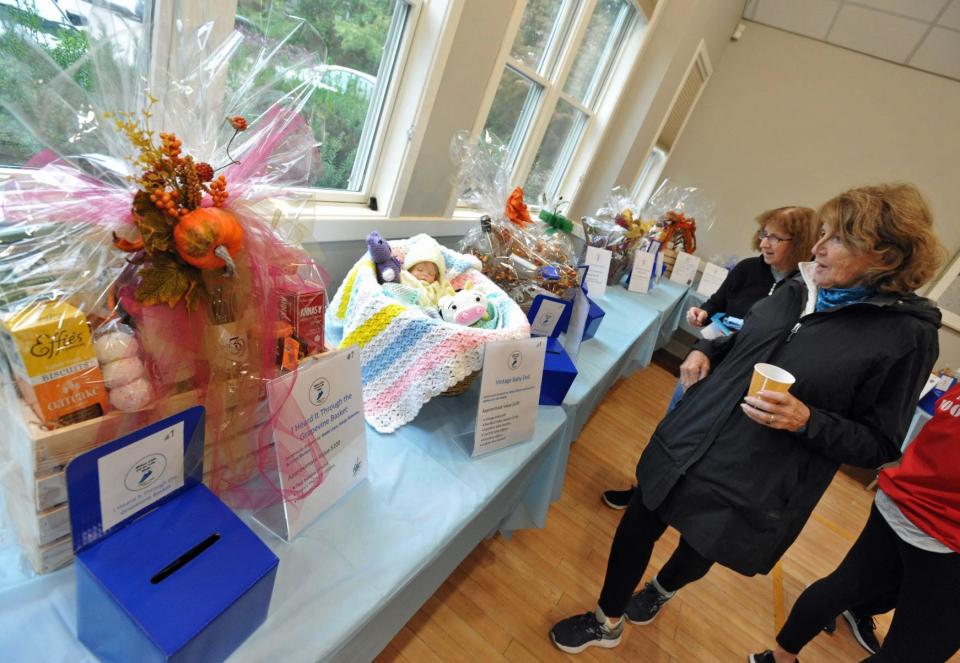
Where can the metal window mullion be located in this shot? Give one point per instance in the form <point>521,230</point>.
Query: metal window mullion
<point>527,71</point>
<point>535,136</point>
<point>576,103</point>
<point>568,54</point>
<point>375,110</point>
<point>557,38</point>
<point>569,148</point>
<point>600,76</point>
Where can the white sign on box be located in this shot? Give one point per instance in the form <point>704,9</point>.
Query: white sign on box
<point>509,393</point>
<point>598,260</point>
<point>685,269</point>
<point>319,439</point>
<point>139,474</point>
<point>642,272</point>
<point>547,317</point>
<point>713,277</point>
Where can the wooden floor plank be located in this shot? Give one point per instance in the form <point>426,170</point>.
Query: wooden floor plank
<point>500,603</point>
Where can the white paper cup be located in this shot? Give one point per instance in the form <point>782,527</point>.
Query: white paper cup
<point>767,377</point>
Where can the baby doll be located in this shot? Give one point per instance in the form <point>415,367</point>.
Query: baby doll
<point>424,270</point>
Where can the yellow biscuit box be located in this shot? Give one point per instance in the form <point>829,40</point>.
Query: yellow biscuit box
<point>50,349</point>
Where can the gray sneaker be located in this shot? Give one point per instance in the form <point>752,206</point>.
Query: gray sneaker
<point>645,604</point>
<point>574,634</point>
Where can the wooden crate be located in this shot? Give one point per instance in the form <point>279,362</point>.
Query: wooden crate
<point>34,484</point>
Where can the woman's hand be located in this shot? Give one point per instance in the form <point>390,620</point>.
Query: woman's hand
<point>696,316</point>
<point>694,368</point>
<point>774,409</point>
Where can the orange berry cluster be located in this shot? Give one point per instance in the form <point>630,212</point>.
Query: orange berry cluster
<point>204,171</point>
<point>218,191</point>
<point>166,201</point>
<point>170,145</point>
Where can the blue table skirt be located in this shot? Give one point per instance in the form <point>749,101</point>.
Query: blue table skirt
<point>351,580</point>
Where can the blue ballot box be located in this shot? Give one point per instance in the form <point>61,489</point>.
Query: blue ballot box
<point>165,571</point>
<point>559,370</point>
<point>594,318</point>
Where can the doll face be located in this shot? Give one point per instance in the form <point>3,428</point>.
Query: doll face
<point>424,271</point>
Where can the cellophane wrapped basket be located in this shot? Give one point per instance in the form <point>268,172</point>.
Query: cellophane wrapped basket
<point>618,228</point>
<point>675,213</point>
<point>139,272</point>
<point>522,255</point>
<point>409,355</point>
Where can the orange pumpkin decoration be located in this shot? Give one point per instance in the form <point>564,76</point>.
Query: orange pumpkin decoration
<point>209,238</point>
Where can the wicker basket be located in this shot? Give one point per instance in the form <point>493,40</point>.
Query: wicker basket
<point>461,386</point>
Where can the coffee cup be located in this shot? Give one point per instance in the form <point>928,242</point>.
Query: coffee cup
<point>767,377</point>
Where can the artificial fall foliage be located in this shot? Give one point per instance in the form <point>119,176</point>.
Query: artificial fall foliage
<point>176,237</point>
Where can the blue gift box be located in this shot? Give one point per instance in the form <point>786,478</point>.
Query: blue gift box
<point>558,374</point>
<point>594,317</point>
<point>176,575</point>
<point>558,369</point>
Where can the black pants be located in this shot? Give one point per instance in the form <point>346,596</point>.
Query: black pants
<point>630,553</point>
<point>926,624</point>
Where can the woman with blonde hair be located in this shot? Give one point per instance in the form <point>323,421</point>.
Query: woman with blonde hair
<point>739,476</point>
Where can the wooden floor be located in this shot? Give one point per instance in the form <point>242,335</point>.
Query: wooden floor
<point>502,600</point>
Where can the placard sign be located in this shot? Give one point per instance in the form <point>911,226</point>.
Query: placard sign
<point>598,260</point>
<point>642,273</point>
<point>319,439</point>
<point>713,277</point>
<point>509,393</point>
<point>685,269</point>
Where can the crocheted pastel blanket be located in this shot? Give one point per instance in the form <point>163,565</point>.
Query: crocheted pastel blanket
<point>407,356</point>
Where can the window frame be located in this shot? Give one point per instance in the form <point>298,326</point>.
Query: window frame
<point>160,19</point>
<point>557,64</point>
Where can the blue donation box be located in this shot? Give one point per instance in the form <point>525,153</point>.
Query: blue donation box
<point>548,317</point>
<point>165,571</point>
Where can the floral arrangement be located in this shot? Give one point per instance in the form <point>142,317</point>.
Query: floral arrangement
<point>178,214</point>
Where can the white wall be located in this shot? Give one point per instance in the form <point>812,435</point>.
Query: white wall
<point>790,120</point>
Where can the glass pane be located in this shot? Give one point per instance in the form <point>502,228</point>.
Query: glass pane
<point>32,31</point>
<point>553,157</point>
<point>512,108</point>
<point>358,37</point>
<point>536,29</point>
<point>598,46</point>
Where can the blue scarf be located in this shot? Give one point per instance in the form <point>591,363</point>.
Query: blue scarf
<point>834,297</point>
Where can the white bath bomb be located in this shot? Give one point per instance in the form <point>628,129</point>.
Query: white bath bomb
<point>133,396</point>
<point>115,345</point>
<point>121,372</point>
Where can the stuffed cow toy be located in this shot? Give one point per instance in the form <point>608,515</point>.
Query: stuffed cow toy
<point>466,307</point>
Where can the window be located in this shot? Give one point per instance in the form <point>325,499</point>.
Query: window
<point>34,32</point>
<point>553,77</point>
<point>684,99</point>
<point>361,40</point>
<point>354,47</point>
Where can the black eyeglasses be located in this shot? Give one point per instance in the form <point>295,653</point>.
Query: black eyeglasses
<point>774,239</point>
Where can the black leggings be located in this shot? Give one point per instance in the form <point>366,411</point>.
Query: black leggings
<point>630,553</point>
<point>926,624</point>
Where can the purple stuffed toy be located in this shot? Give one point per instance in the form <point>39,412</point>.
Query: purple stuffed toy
<point>388,267</point>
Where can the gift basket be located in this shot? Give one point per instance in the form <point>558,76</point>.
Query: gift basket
<point>522,255</point>
<point>138,276</point>
<point>410,353</point>
<point>674,213</point>
<point>618,228</point>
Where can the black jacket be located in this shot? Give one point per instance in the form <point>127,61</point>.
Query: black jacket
<point>749,281</point>
<point>740,492</point>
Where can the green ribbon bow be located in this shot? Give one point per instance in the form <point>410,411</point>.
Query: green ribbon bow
<point>556,221</point>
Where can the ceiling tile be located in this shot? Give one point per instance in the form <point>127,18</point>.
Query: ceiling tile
<point>951,17</point>
<point>925,10</point>
<point>884,35</point>
<point>939,53</point>
<point>810,17</point>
